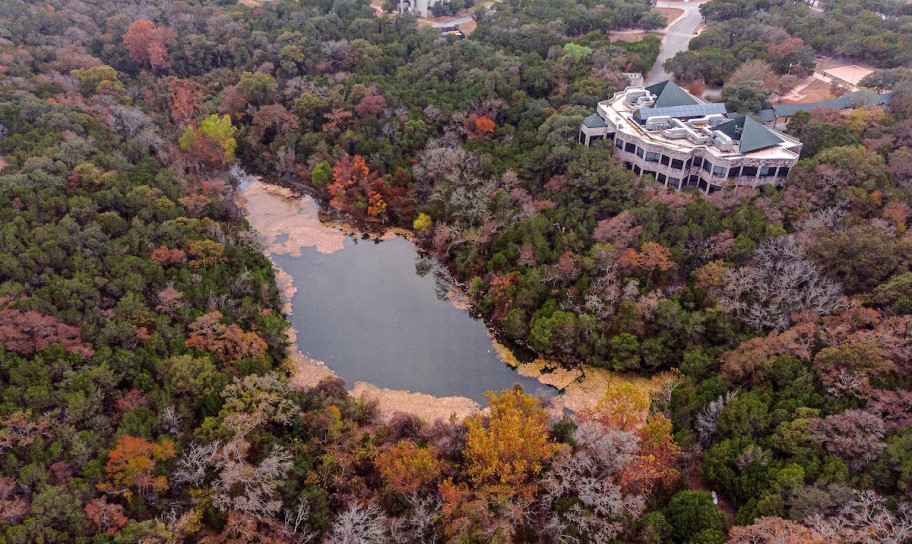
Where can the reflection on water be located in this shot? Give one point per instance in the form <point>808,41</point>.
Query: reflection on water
<point>376,311</point>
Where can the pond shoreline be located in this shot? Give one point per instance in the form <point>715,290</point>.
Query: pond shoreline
<point>577,388</point>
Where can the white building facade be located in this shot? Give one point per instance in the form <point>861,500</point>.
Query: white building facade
<point>418,7</point>
<point>682,141</point>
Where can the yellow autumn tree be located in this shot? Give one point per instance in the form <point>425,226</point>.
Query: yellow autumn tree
<point>624,407</point>
<point>508,447</point>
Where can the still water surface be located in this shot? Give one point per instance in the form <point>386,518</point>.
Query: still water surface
<point>377,311</point>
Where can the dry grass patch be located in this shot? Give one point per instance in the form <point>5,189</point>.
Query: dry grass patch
<point>287,223</point>
<point>427,407</point>
<point>670,14</point>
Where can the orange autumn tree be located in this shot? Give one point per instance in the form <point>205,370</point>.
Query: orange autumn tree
<point>133,466</point>
<point>408,468</point>
<point>350,175</point>
<point>148,44</point>
<point>650,258</point>
<point>186,102</point>
<point>479,127</point>
<point>229,343</point>
<point>355,187</point>
<point>506,449</point>
<point>656,459</point>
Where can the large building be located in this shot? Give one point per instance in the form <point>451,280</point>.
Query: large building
<point>419,7</point>
<point>682,141</point>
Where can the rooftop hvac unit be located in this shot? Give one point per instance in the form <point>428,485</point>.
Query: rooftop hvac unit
<point>698,139</point>
<point>634,94</point>
<point>723,142</point>
<point>711,120</point>
<point>675,133</point>
<point>658,122</point>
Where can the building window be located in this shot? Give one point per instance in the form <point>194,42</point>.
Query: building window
<point>629,147</point>
<point>766,171</point>
<point>749,171</point>
<point>636,170</point>
<point>677,164</point>
<point>640,152</point>
<point>707,166</point>
<point>649,173</point>
<point>719,171</point>
<point>674,181</point>
<point>619,143</point>
<point>582,138</point>
<point>661,178</point>
<point>698,161</point>
<point>664,160</point>
<point>652,157</point>
<point>734,172</point>
<point>783,171</point>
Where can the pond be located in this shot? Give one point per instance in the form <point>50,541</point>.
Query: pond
<point>375,310</point>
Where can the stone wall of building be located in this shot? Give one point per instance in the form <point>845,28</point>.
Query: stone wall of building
<point>739,170</point>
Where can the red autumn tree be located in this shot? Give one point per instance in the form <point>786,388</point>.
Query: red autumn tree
<point>336,121</point>
<point>148,44</point>
<point>13,508</point>
<point>186,102</point>
<point>108,518</point>
<point>373,104</point>
<point>163,256</point>
<point>132,399</point>
<point>774,530</point>
<point>26,333</point>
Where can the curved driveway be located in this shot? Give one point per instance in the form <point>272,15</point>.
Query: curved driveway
<point>675,38</point>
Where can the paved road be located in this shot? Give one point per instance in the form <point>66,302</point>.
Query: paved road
<point>677,38</point>
<point>462,19</point>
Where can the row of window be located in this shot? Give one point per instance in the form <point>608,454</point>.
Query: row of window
<point>669,181</point>
<point>708,167</point>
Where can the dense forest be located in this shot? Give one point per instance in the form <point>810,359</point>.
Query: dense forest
<point>145,392</point>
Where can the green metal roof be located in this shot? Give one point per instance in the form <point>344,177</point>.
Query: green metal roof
<point>767,116</point>
<point>755,136</point>
<point>594,121</point>
<point>732,128</point>
<point>864,97</point>
<point>669,94</point>
<point>679,112</point>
